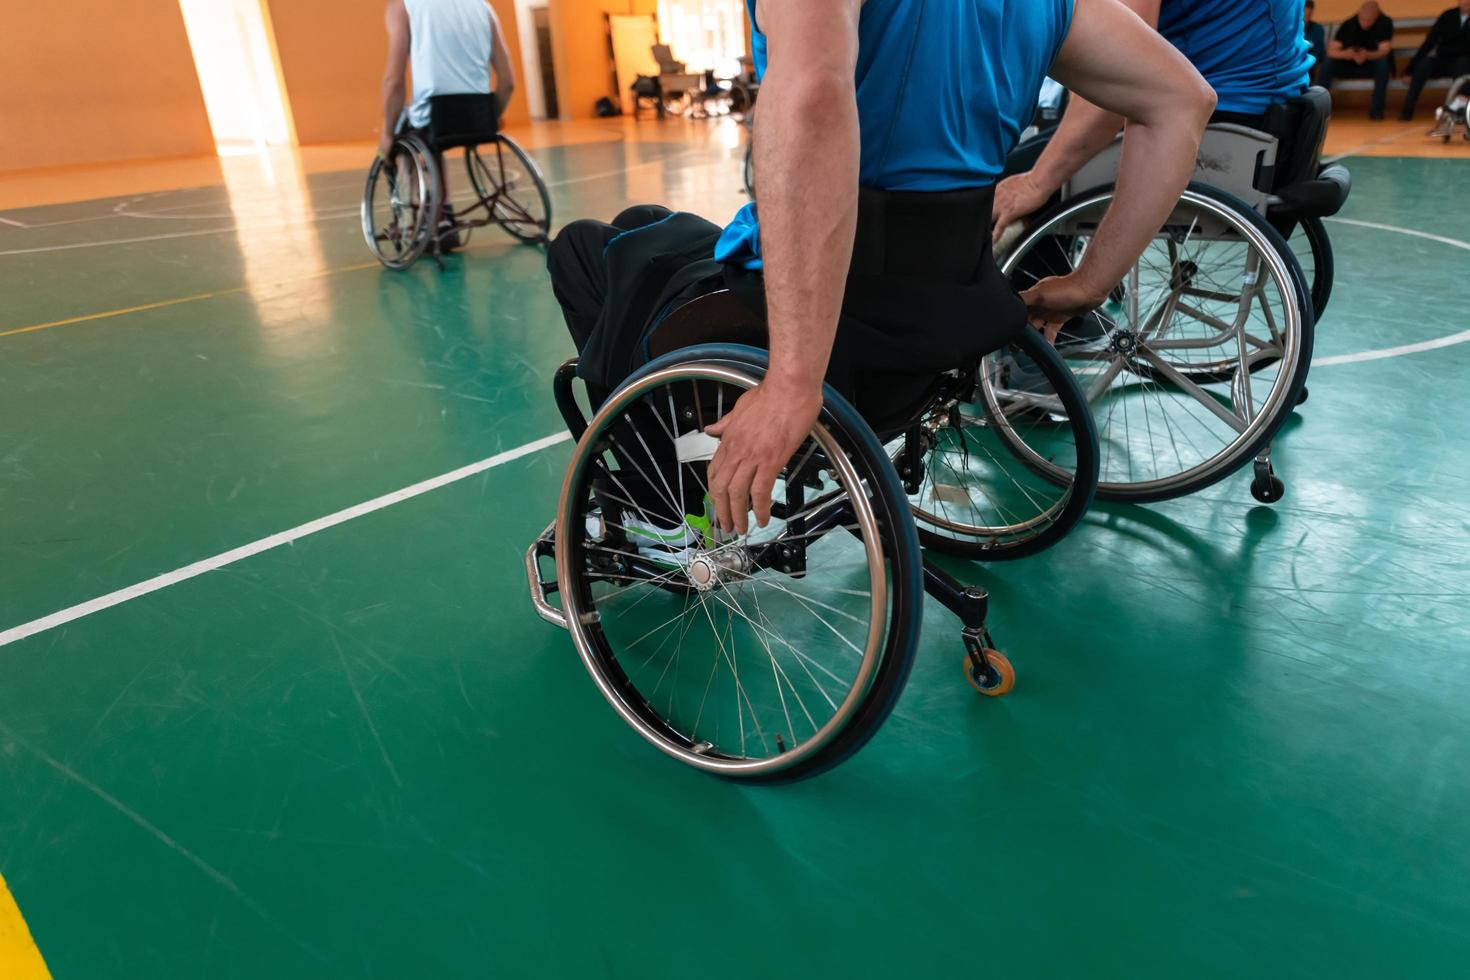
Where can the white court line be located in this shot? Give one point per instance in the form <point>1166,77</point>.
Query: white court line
<point>176,234</point>
<point>1378,355</point>
<point>347,210</point>
<point>163,581</point>
<point>1411,232</point>
<point>1424,345</point>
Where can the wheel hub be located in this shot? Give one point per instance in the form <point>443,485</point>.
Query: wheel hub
<point>709,570</point>
<point>1124,342</point>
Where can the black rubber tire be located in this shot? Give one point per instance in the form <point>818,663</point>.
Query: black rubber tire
<point>900,546</point>
<point>415,148</point>
<point>1084,488</point>
<point>1298,379</point>
<point>515,231</point>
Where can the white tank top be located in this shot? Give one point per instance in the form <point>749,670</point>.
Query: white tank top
<point>449,51</point>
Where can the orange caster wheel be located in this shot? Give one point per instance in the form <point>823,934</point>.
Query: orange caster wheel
<point>995,680</point>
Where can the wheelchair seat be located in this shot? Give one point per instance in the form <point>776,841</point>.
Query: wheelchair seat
<point>462,120</point>
<point>725,317</point>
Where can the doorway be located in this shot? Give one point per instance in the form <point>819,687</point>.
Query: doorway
<point>547,61</point>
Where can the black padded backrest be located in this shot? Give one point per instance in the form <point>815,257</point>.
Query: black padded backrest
<point>1300,126</point>
<point>719,317</point>
<point>462,120</point>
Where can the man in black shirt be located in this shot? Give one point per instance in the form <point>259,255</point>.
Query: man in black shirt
<point>1444,53</point>
<point>1363,48</point>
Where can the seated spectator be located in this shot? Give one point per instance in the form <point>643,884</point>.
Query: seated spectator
<point>1316,36</point>
<point>1363,48</point>
<point>1445,53</point>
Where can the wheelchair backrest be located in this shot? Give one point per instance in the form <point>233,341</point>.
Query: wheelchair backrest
<point>1300,126</point>
<point>1233,158</point>
<point>462,120</point>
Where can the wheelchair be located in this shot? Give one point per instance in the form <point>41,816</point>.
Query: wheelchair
<point>775,655</point>
<point>404,190</point>
<point>1455,113</point>
<point>1202,352</point>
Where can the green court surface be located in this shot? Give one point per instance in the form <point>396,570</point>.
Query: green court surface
<point>1237,747</point>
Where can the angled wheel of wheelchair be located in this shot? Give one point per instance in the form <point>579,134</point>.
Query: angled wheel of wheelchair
<point>1196,366</point>
<point>1013,460</point>
<point>1313,251</point>
<point>511,185</point>
<point>400,202</point>
<point>769,656</point>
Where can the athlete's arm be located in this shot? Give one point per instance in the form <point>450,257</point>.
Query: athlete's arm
<point>1122,66</point>
<point>505,72</point>
<point>396,18</point>
<point>806,152</point>
<point>1085,130</point>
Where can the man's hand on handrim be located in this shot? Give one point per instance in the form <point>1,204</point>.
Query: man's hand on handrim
<point>757,440</point>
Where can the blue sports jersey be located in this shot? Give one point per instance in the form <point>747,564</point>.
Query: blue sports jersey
<point>944,89</point>
<point>1252,52</point>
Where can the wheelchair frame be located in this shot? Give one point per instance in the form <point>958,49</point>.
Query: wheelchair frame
<point>1448,116</point>
<point>494,202</point>
<point>786,555</point>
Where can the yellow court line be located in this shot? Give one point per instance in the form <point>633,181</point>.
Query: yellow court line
<point>19,957</point>
<point>182,299</point>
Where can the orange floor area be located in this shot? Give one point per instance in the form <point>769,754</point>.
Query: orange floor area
<point>60,185</point>
<point>1352,134</point>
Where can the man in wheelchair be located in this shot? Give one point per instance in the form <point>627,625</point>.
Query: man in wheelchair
<point>868,263</point>
<point>452,46</point>
<point>1252,52</point>
<point>773,648</point>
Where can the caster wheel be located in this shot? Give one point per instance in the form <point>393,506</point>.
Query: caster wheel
<point>1302,398</point>
<point>1268,489</point>
<point>996,681</point>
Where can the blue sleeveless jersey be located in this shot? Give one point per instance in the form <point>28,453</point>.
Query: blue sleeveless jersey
<point>944,89</point>
<point>1252,52</point>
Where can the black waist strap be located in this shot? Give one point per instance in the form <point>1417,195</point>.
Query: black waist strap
<point>941,236</point>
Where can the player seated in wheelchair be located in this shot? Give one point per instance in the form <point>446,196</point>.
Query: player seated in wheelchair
<point>736,558</point>
<point>1251,52</point>
<point>452,46</point>
<point>870,257</point>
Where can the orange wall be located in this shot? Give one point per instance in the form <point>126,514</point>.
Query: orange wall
<point>332,53</point>
<point>1333,11</point>
<point>98,80</point>
<point>579,45</point>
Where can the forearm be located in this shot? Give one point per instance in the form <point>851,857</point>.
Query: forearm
<point>1380,53</point>
<point>1157,162</point>
<point>1084,132</point>
<point>392,105</point>
<point>807,151</point>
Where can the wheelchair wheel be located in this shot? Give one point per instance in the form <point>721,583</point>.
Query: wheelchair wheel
<point>747,172</point>
<point>1013,465</point>
<point>1204,356</point>
<point>769,656</point>
<point>400,202</point>
<point>511,185</point>
<point>1313,250</point>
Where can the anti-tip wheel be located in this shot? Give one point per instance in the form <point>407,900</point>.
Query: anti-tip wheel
<point>1268,489</point>
<point>994,680</point>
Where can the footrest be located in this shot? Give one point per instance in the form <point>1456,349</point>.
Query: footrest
<point>543,547</point>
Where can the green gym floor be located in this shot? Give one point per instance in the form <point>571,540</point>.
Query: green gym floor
<point>1238,745</point>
